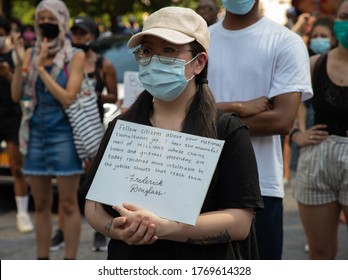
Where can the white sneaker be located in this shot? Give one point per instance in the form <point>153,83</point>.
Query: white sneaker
<point>24,224</point>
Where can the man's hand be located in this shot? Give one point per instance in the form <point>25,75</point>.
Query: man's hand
<point>248,108</point>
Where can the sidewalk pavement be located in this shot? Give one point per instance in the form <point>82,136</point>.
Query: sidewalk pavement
<point>16,246</point>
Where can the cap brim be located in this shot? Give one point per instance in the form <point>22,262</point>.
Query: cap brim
<point>169,35</point>
<point>81,26</point>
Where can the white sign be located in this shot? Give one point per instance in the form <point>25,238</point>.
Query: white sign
<point>164,171</point>
<point>132,87</point>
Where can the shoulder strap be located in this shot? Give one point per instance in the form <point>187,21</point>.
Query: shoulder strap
<point>99,63</point>
<point>316,70</point>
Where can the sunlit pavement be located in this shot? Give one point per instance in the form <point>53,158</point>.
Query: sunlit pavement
<point>16,246</point>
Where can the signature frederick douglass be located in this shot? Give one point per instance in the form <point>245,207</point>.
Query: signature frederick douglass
<point>148,188</point>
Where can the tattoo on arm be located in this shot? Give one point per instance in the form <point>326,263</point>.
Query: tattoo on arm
<point>107,227</point>
<point>222,237</point>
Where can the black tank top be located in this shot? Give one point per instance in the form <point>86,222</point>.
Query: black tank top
<point>330,101</point>
<point>6,102</point>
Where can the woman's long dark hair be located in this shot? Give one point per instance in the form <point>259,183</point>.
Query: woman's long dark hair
<point>201,114</point>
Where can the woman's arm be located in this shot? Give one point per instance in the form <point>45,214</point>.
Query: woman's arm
<point>115,228</point>
<point>110,80</point>
<point>315,134</point>
<point>65,96</point>
<point>211,227</point>
<point>23,60</point>
<point>98,218</point>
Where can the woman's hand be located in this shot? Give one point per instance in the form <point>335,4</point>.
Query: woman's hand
<point>42,55</point>
<point>18,47</point>
<point>5,70</point>
<point>134,226</point>
<point>312,136</point>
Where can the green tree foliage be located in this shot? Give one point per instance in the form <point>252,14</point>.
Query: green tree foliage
<point>106,11</point>
<point>25,12</point>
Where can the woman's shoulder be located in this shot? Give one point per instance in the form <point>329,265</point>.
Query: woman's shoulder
<point>76,57</point>
<point>227,123</point>
<point>76,52</point>
<point>106,64</point>
<point>314,58</point>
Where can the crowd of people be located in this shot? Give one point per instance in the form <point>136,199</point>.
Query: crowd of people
<point>271,87</point>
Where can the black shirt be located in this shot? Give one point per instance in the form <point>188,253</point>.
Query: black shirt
<point>330,101</point>
<point>7,105</point>
<point>235,185</point>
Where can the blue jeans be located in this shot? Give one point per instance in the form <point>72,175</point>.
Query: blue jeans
<point>269,229</point>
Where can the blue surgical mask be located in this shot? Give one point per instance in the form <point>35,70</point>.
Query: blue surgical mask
<point>238,7</point>
<point>320,45</point>
<point>164,81</point>
<point>341,32</point>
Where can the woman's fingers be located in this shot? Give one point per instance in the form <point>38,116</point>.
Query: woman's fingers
<point>317,133</point>
<point>131,207</point>
<point>139,232</point>
<point>136,228</point>
<point>119,222</point>
<point>145,234</point>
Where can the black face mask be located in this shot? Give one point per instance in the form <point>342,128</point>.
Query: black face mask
<point>49,30</point>
<point>84,47</point>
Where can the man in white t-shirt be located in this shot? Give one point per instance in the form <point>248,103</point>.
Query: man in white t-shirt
<point>260,70</point>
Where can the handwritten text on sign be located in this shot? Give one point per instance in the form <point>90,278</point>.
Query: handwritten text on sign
<point>164,171</point>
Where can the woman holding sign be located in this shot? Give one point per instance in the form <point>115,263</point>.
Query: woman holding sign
<point>172,61</point>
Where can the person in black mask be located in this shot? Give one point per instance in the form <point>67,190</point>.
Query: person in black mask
<point>84,32</point>
<point>46,139</point>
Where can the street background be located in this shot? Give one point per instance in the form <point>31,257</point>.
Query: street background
<point>17,246</point>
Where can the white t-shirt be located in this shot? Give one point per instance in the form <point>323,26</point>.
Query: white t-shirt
<point>264,59</point>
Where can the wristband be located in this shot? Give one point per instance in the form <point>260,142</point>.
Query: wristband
<point>293,131</point>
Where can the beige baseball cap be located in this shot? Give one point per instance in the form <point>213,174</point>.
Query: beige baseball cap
<point>176,25</point>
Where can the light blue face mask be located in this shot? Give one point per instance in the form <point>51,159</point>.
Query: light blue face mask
<point>164,81</point>
<point>320,45</point>
<point>341,32</point>
<point>238,7</point>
